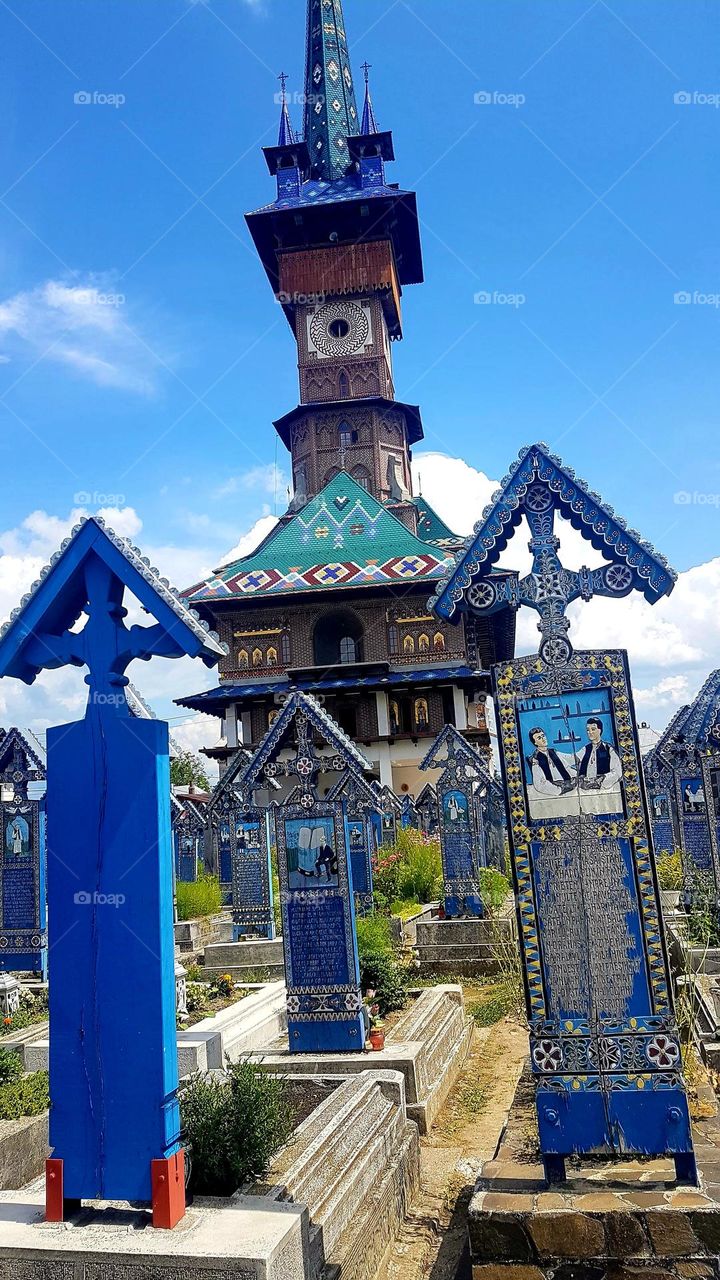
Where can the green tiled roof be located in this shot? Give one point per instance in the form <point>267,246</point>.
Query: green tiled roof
<point>343,537</point>
<point>432,529</point>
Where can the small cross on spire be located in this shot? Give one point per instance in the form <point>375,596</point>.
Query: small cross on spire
<point>286,135</point>
<point>369,123</point>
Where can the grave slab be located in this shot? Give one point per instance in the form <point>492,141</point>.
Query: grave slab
<point>428,1046</point>
<point>241,959</point>
<point>626,1219</point>
<point>331,1202</point>
<point>471,948</point>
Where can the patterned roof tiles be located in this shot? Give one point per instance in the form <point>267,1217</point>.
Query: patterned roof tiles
<point>343,537</point>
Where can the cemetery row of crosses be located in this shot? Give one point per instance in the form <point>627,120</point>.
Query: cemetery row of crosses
<point>374,722</point>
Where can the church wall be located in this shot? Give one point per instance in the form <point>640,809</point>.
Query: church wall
<point>274,632</point>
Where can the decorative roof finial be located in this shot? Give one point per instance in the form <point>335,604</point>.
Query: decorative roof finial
<point>286,136</point>
<point>369,123</point>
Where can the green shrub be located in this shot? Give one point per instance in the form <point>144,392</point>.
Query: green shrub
<point>203,898</point>
<point>703,926</point>
<point>420,873</point>
<point>409,869</point>
<point>234,1127</point>
<point>10,1066</point>
<point>404,908</point>
<point>670,871</point>
<point>386,870</point>
<point>374,934</point>
<point>379,969</point>
<point>26,1096</point>
<point>494,888</point>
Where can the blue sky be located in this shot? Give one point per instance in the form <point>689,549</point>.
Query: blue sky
<point>143,358</point>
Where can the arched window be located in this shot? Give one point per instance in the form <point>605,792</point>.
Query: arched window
<point>338,638</point>
<point>344,385</point>
<point>393,639</point>
<point>257,657</point>
<point>285,649</point>
<point>420,714</point>
<point>348,650</point>
<point>348,435</point>
<point>423,643</point>
<point>272,716</point>
<point>272,657</point>
<point>439,642</point>
<point>243,659</point>
<point>362,475</point>
<point>330,475</point>
<point>408,645</point>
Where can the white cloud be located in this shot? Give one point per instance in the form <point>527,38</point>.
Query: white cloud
<point>672,646</point>
<point>268,478</point>
<point>85,327</point>
<point>250,540</point>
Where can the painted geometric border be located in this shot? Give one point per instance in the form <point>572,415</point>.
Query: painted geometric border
<point>313,1002</point>
<point>514,680</point>
<point>711,765</point>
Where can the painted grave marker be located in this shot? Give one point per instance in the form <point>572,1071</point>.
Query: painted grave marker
<point>23,909</point>
<point>604,1044</point>
<point>114,1120</point>
<point>322,974</point>
<point>363,826</point>
<point>461,837</point>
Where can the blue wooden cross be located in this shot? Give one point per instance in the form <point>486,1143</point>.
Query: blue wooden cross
<point>114,1121</point>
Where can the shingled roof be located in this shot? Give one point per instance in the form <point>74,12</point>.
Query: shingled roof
<point>343,537</point>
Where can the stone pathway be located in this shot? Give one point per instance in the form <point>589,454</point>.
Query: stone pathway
<point>432,1244</point>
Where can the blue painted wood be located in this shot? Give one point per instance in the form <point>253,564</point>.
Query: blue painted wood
<point>113,1055</point>
<point>23,858</point>
<point>113,1063</point>
<point>461,790</point>
<point>322,972</point>
<point>604,1043</point>
<point>252,891</point>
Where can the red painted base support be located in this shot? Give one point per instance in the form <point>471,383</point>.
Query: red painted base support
<point>168,1191</point>
<point>54,1191</point>
<point>56,1206</point>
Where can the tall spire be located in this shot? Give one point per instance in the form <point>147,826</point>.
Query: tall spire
<point>286,136</point>
<point>369,123</point>
<point>331,115</point>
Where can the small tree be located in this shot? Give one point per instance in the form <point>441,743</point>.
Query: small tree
<point>186,770</point>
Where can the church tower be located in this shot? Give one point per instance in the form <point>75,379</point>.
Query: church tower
<point>338,246</point>
<point>334,601</point>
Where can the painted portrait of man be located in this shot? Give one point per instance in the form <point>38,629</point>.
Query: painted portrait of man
<point>572,765</point>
